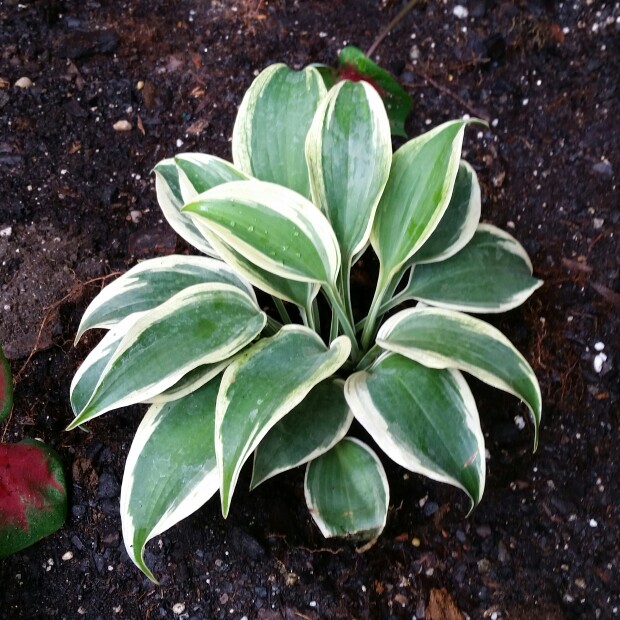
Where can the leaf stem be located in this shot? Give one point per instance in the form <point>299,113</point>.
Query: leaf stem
<point>282,311</point>
<point>337,304</point>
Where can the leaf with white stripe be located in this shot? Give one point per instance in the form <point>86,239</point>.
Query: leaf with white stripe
<point>349,152</point>
<point>274,227</point>
<point>347,491</point>
<point>424,419</point>
<point>417,194</point>
<point>447,339</point>
<point>312,428</point>
<point>170,201</point>
<point>491,274</point>
<point>261,386</point>
<point>272,123</point>
<point>203,324</point>
<point>459,222</point>
<point>152,282</point>
<point>170,471</point>
<point>199,172</point>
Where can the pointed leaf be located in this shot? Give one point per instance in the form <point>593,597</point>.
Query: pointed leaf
<point>152,282</point>
<point>170,201</point>
<point>218,318</point>
<point>33,496</point>
<point>458,224</point>
<point>492,273</point>
<point>355,65</point>
<point>417,193</point>
<point>347,491</point>
<point>170,470</point>
<point>312,428</point>
<point>199,172</point>
<point>277,229</point>
<point>349,152</point>
<point>261,386</point>
<point>6,386</point>
<point>272,123</point>
<point>424,419</point>
<point>447,339</point>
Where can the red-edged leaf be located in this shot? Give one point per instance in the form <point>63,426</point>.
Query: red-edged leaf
<point>6,387</point>
<point>33,497</point>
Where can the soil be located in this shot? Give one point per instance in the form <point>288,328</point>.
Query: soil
<point>77,206</point>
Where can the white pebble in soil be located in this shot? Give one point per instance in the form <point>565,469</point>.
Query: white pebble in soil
<point>460,11</point>
<point>178,608</point>
<point>598,362</point>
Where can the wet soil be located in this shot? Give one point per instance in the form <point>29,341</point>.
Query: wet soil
<point>77,206</point>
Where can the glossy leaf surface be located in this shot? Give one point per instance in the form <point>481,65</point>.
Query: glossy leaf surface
<point>314,426</point>
<point>261,386</point>
<point>347,491</point>
<point>492,273</point>
<point>447,339</point>
<point>170,470</point>
<point>33,496</point>
<point>272,123</point>
<point>424,419</point>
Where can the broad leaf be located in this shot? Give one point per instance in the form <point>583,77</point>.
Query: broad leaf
<point>417,194</point>
<point>349,151</point>
<point>152,282</point>
<point>170,470</point>
<point>347,491</point>
<point>423,418</point>
<point>6,386</point>
<point>355,65</point>
<point>492,273</point>
<point>200,172</point>
<point>203,324</point>
<point>33,496</point>
<point>261,386</point>
<point>447,339</point>
<point>459,222</point>
<point>272,123</point>
<point>170,201</point>
<point>313,427</point>
<point>275,228</point>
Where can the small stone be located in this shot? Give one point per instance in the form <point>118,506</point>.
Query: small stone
<point>122,125</point>
<point>598,362</point>
<point>135,215</point>
<point>603,168</point>
<point>140,85</point>
<point>460,11</point>
<point>597,223</point>
<point>6,232</point>
<point>67,556</point>
<point>593,523</point>
<point>23,82</point>
<point>178,608</point>
<point>599,346</point>
<point>580,582</point>
<point>519,422</point>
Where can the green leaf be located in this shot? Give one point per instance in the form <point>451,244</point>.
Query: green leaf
<point>261,386</point>
<point>458,224</point>
<point>272,123</point>
<point>33,495</point>
<point>349,151</point>
<point>347,491</point>
<point>203,324</point>
<point>170,471</point>
<point>447,339</point>
<point>417,194</point>
<point>274,227</point>
<point>170,201</point>
<point>312,428</point>
<point>355,65</point>
<point>152,282</point>
<point>424,419</point>
<point>6,386</point>
<point>491,274</point>
<point>200,172</point>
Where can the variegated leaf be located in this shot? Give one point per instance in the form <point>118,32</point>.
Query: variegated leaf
<point>272,123</point>
<point>424,419</point>
<point>152,282</point>
<point>312,428</point>
<point>441,338</point>
<point>203,324</point>
<point>492,273</point>
<point>347,491</point>
<point>261,386</point>
<point>199,172</point>
<point>349,152</point>
<point>170,470</point>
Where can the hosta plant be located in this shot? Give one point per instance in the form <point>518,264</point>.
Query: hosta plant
<point>313,183</point>
<point>33,497</point>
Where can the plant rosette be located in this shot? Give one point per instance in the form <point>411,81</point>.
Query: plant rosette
<point>33,497</point>
<point>313,183</point>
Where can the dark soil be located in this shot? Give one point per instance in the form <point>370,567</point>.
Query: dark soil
<point>77,205</point>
